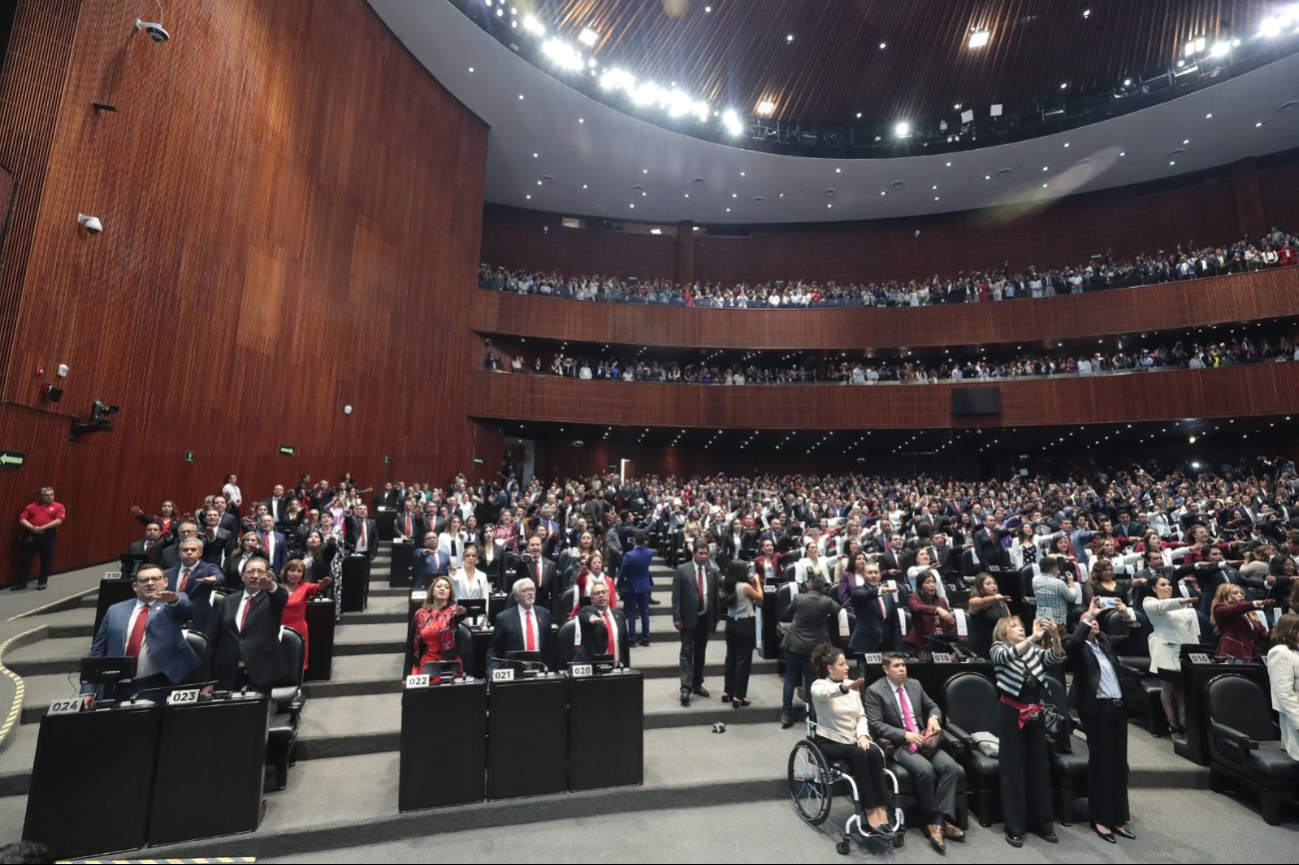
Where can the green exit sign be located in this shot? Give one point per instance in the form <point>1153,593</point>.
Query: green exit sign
<point>189,456</point>
<point>12,459</point>
<point>385,459</point>
<point>287,450</point>
<point>478,461</point>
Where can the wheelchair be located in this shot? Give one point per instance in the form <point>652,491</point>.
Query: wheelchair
<point>812,782</point>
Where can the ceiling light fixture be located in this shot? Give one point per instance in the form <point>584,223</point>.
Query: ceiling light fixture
<point>588,37</point>
<point>979,38</point>
<point>902,130</point>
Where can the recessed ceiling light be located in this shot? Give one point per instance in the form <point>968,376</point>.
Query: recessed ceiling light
<point>1172,162</point>
<point>588,37</point>
<point>838,171</point>
<point>789,38</point>
<point>728,210</point>
<point>829,205</point>
<point>632,206</point>
<point>520,95</point>
<point>538,182</point>
<point>1044,186</point>
<point>987,177</point>
<point>644,171</point>
<point>687,195</point>
<point>708,8</point>
<point>1087,13</point>
<point>536,156</point>
<point>1045,167</point>
<point>883,193</point>
<point>1066,144</point>
<point>1064,85</point>
<point>1209,116</point>
<point>859,115</point>
<point>471,69</point>
<point>979,38</point>
<point>935,198</point>
<point>883,45</point>
<point>741,173</point>
<point>584,186</point>
<point>1257,125</point>
<point>1123,153</point>
<point>1127,82</point>
<point>958,106</point>
<point>529,197</point>
<point>580,120</point>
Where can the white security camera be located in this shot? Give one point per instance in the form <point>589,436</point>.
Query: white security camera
<point>156,31</point>
<point>90,223</point>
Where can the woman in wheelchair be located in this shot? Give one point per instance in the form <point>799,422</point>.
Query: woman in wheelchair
<point>841,732</point>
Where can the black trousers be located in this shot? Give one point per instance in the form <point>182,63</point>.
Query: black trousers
<point>866,767</point>
<point>741,639</point>
<point>1106,727</point>
<point>42,544</point>
<point>694,648</point>
<point>1025,772</point>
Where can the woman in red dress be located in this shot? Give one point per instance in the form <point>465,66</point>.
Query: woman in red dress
<point>295,609</point>
<point>435,626</point>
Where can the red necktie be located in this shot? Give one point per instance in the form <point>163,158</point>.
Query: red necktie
<point>184,579</point>
<point>363,543</point>
<point>268,543</point>
<point>701,589</point>
<point>613,644</point>
<point>137,637</point>
<point>148,544</point>
<point>408,532</point>
<point>530,642</point>
<point>244,620</point>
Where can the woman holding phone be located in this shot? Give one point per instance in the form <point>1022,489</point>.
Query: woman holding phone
<point>740,592</point>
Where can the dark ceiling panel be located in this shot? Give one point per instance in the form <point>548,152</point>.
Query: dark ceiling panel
<point>738,55</point>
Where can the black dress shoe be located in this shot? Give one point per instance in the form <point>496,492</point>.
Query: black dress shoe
<point>654,603</point>
<point>685,697</point>
<point>1108,838</point>
<point>17,587</point>
<point>1049,837</point>
<point>1015,841</point>
<point>40,587</point>
<point>701,691</point>
<point>1125,833</point>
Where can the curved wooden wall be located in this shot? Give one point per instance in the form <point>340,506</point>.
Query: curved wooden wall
<point>1261,389</point>
<point>1246,297</point>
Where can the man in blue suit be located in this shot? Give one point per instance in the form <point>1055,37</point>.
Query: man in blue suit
<point>429,562</point>
<point>876,607</point>
<point>524,627</point>
<point>148,629</point>
<point>196,580</point>
<point>635,585</point>
<point>273,543</point>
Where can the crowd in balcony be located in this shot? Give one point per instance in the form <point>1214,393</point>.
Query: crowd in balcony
<point>1187,261</point>
<point>868,371</point>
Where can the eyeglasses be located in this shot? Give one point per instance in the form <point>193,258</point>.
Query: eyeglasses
<point>151,579</point>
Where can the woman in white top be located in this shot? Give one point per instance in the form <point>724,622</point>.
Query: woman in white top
<point>1283,673</point>
<point>812,564</point>
<point>916,573</point>
<point>1175,623</point>
<point>452,542</point>
<point>470,582</point>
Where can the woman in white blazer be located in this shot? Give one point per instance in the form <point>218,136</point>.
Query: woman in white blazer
<point>1283,672</point>
<point>1175,623</point>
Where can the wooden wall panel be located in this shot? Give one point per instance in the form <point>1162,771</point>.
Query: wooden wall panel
<point>291,225</point>
<point>1246,297</point>
<point>1262,389</point>
<point>534,240</point>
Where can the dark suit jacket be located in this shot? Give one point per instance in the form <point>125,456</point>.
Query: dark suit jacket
<point>497,570</point>
<point>399,526</point>
<point>546,589</point>
<point>200,594</point>
<point>884,716</point>
<point>155,551</point>
<point>352,534</point>
<point>898,561</point>
<point>810,614</point>
<point>162,634</point>
<point>258,645</point>
<point>214,551</point>
<point>685,596</point>
<point>595,638</point>
<point>279,508</point>
<point>989,549</point>
<point>1086,669</point>
<point>281,550</point>
<point>875,631</point>
<point>507,636</point>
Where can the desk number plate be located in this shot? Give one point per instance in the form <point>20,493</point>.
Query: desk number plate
<point>581,670</point>
<point>1199,658</point>
<point>417,681</point>
<point>417,596</point>
<point>69,706</point>
<point>874,658</point>
<point>942,657</point>
<point>187,697</point>
<point>502,675</point>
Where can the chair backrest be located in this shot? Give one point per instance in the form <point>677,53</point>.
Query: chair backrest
<point>1055,696</point>
<point>969,567</point>
<point>788,574</point>
<point>1240,703</point>
<point>971,701</point>
<point>566,601</point>
<point>465,650</point>
<point>784,597</point>
<point>293,648</point>
<point>198,643</point>
<point>565,650</point>
<point>1026,582</point>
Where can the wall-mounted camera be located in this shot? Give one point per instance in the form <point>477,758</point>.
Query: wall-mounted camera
<point>90,223</point>
<point>101,420</point>
<point>156,31</point>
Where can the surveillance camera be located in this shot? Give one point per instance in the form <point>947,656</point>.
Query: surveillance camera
<point>90,223</point>
<point>156,31</point>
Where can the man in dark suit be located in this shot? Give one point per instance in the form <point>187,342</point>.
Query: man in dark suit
<point>522,627</point>
<point>226,519</point>
<point>244,640</point>
<point>428,562</point>
<point>196,579</point>
<point>876,607</point>
<point>694,615</point>
<point>278,505</point>
<point>408,521</point>
<point>169,556</point>
<point>541,570</point>
<point>895,560</point>
<point>152,545</point>
<point>149,629</point>
<point>216,540</point>
<point>1096,694</point>
<point>604,629</point>
<point>277,552</point>
<point>360,532</point>
<point>987,545</point>
<point>899,711</point>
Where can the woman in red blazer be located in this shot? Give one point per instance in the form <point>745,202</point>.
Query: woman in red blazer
<point>1242,635</point>
<point>929,615</point>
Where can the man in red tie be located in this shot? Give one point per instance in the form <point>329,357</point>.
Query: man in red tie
<point>541,570</point>
<point>148,629</point>
<point>244,642</point>
<point>272,543</point>
<point>694,614</point>
<point>524,627</point>
<point>150,546</point>
<point>604,629</point>
<point>196,579</point>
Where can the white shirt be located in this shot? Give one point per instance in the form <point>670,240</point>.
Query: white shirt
<point>611,624</point>
<point>232,494</point>
<point>239,611</point>
<point>536,634</point>
<point>471,588</point>
<point>144,665</point>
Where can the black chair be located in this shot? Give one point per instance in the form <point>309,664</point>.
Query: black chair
<point>788,574</point>
<point>287,696</point>
<point>198,643</point>
<point>1027,599</point>
<point>1245,751</point>
<point>972,708</point>
<point>465,650</point>
<point>564,607</point>
<point>784,597</point>
<point>969,567</point>
<point>565,644</point>
<point>1068,768</point>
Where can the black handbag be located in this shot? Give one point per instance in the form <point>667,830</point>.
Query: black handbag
<point>1059,729</point>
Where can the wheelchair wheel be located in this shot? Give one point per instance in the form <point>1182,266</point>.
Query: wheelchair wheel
<point>809,782</point>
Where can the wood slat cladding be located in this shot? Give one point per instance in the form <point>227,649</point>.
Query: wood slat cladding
<point>834,68</point>
<point>291,210</point>
<point>1262,389</point>
<point>1246,297</point>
